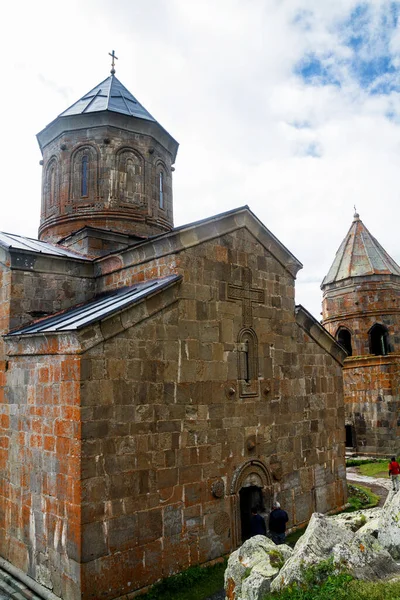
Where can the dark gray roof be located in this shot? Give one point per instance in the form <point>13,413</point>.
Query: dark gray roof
<point>78,317</point>
<point>18,242</point>
<point>111,95</point>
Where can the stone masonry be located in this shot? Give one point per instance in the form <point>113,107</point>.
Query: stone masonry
<point>362,294</point>
<point>132,437</point>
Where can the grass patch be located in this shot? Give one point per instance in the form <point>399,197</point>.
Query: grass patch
<point>323,582</point>
<point>360,497</point>
<point>378,469</point>
<point>356,462</point>
<point>196,583</point>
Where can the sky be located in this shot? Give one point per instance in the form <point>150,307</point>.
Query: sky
<point>289,106</point>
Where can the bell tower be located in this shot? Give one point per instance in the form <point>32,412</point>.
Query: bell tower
<point>361,309</point>
<point>107,167</point>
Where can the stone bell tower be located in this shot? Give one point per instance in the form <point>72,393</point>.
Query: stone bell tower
<point>107,172</point>
<point>361,309</point>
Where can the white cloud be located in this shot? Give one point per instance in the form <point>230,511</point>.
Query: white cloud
<point>220,77</point>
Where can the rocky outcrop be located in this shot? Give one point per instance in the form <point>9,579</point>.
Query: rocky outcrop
<point>389,525</point>
<point>252,567</point>
<point>365,544</point>
<point>316,545</point>
<point>365,558</point>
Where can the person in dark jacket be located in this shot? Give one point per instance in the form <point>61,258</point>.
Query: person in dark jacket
<point>257,523</point>
<point>277,523</point>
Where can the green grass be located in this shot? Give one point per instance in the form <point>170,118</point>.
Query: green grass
<point>321,582</point>
<point>196,583</point>
<point>377,469</point>
<point>360,497</point>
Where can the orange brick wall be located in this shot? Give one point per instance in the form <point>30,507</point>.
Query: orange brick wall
<point>40,488</point>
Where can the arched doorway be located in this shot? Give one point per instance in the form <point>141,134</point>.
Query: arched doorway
<point>251,486</point>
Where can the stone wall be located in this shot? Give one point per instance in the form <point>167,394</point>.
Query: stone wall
<point>40,464</point>
<point>43,285</point>
<point>372,392</point>
<point>371,383</point>
<point>165,421</point>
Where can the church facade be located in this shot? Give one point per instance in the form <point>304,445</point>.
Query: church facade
<point>156,382</point>
<point>361,308</point>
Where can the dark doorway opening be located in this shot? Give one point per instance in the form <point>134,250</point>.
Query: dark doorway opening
<point>249,496</point>
<point>349,436</point>
<point>344,339</point>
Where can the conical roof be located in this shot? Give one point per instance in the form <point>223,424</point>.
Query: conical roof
<point>360,254</point>
<point>111,95</point>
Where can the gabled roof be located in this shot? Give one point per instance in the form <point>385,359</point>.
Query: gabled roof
<point>110,95</point>
<point>360,254</point>
<point>18,242</point>
<point>79,317</point>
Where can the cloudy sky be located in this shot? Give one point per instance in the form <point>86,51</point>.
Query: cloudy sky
<point>289,106</point>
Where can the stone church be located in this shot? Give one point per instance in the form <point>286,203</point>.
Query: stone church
<point>361,308</point>
<point>156,381</point>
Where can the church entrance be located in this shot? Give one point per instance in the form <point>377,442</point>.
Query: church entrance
<point>250,497</point>
<point>251,486</point>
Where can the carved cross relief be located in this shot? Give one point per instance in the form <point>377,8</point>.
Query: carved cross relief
<point>247,294</point>
<point>247,346</point>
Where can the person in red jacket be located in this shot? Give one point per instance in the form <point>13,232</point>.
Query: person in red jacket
<point>394,472</point>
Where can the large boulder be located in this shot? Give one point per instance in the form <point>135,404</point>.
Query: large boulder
<point>357,519</point>
<point>365,558</point>
<point>316,545</point>
<point>252,567</point>
<point>389,525</point>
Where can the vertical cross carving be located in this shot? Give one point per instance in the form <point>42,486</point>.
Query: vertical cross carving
<point>247,294</point>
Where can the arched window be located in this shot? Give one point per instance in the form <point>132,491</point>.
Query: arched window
<point>130,177</point>
<point>248,362</point>
<point>161,189</point>
<point>343,336</point>
<point>83,181</point>
<point>51,184</point>
<point>378,340</point>
<point>84,175</point>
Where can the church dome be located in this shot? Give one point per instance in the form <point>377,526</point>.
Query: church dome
<point>107,164</point>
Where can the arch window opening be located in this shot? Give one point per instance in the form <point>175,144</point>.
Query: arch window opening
<point>344,339</point>
<point>84,178</point>
<point>378,340</point>
<point>161,189</point>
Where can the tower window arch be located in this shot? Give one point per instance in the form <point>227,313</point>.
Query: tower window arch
<point>161,189</point>
<point>378,340</point>
<point>130,177</point>
<point>51,184</point>
<point>343,336</point>
<point>84,175</point>
<point>83,181</point>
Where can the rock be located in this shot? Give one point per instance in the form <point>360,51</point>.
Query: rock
<point>371,527</point>
<point>252,567</point>
<point>357,519</point>
<point>365,558</point>
<point>389,525</point>
<point>316,545</point>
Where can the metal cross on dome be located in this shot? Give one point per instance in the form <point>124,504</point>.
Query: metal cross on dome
<point>112,54</point>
